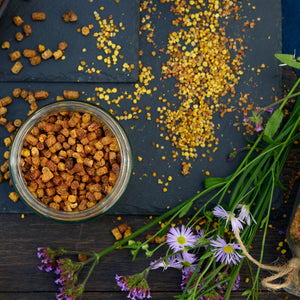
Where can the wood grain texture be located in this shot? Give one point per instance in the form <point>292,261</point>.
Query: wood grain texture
<point>21,279</point>
<point>122,296</point>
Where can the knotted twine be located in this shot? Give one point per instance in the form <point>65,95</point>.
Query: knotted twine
<point>289,270</point>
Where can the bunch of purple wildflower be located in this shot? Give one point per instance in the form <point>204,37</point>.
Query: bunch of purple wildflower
<point>136,285</point>
<point>66,269</point>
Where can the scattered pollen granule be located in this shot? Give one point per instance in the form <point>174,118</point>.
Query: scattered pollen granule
<point>201,62</point>
<point>140,89</point>
<point>110,51</point>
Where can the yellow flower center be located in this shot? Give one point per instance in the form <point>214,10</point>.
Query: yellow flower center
<point>181,240</point>
<point>228,249</point>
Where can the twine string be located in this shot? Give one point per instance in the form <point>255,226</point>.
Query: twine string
<point>289,270</point>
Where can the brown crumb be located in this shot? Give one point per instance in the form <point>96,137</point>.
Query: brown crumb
<point>70,16</point>
<point>5,45</point>
<point>38,16</point>
<point>19,36</point>
<point>18,20</point>
<point>13,196</point>
<point>17,67</point>
<point>185,170</point>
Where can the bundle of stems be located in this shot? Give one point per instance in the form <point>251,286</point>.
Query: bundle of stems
<point>252,184</point>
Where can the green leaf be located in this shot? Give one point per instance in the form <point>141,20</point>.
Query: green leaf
<point>263,222</point>
<point>163,231</point>
<point>273,124</point>
<point>206,255</point>
<point>288,59</point>
<point>208,215</point>
<point>212,181</point>
<point>269,140</point>
<point>247,292</point>
<point>185,209</point>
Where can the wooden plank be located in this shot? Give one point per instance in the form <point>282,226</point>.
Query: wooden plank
<point>21,237</point>
<point>122,295</point>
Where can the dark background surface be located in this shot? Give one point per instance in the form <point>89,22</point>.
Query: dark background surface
<point>54,30</point>
<point>144,194</point>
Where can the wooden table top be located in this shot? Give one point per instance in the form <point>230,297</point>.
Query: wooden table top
<point>20,278</point>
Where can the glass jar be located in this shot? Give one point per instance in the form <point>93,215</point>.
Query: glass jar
<point>293,239</point>
<point>109,200</point>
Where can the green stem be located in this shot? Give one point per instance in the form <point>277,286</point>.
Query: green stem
<point>289,95</point>
<point>200,277</point>
<point>265,229</point>
<point>155,221</point>
<point>96,261</point>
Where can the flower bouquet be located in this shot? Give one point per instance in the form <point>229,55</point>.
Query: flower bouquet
<point>212,245</point>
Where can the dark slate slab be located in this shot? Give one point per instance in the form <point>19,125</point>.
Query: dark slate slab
<point>144,194</point>
<point>54,30</point>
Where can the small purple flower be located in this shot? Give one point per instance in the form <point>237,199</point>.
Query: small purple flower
<point>63,296</point>
<point>179,239</point>
<point>256,117</point>
<point>186,276</point>
<point>236,223</point>
<point>47,257</point>
<point>226,252</point>
<point>236,283</point>
<point>269,110</point>
<point>68,271</point>
<point>136,285</point>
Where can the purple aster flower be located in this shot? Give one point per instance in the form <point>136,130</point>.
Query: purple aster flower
<point>178,239</point>
<point>236,223</point>
<point>226,252</point>
<point>245,213</point>
<point>170,262</point>
<point>136,285</point>
<point>188,261</point>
